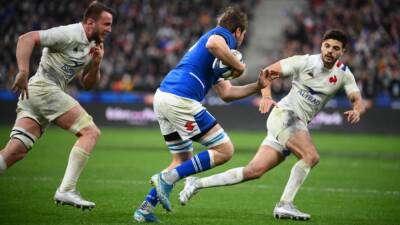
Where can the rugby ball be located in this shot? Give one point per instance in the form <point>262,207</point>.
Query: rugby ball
<point>222,70</point>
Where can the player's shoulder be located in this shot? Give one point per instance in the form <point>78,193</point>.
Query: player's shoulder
<point>74,27</point>
<point>343,68</point>
<point>70,30</point>
<point>303,58</point>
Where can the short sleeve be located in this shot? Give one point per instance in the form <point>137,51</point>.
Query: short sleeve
<point>230,40</point>
<point>293,65</point>
<point>350,84</point>
<point>55,37</point>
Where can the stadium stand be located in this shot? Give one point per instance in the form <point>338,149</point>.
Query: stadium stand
<point>150,36</point>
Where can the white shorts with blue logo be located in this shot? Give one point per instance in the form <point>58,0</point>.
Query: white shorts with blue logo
<point>178,114</point>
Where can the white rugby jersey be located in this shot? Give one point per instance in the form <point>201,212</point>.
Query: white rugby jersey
<point>65,53</point>
<point>313,84</point>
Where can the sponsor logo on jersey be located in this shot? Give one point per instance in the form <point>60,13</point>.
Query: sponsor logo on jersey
<point>70,69</point>
<point>309,97</point>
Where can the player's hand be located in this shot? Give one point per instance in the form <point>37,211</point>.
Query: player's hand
<point>238,72</point>
<point>270,74</point>
<point>266,103</point>
<point>97,53</point>
<point>21,84</point>
<point>263,80</point>
<point>353,116</point>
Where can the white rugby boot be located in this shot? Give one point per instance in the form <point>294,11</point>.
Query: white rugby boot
<point>72,198</point>
<point>286,210</point>
<point>189,190</point>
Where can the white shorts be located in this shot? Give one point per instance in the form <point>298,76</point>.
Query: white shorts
<point>185,116</point>
<point>281,125</point>
<point>46,102</point>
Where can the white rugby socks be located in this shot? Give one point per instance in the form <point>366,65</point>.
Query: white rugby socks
<point>76,162</point>
<point>298,174</point>
<point>3,165</point>
<point>232,176</point>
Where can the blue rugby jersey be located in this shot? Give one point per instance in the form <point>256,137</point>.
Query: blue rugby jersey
<point>193,76</point>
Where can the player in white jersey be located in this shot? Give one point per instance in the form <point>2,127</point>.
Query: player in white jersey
<point>316,78</point>
<point>69,51</point>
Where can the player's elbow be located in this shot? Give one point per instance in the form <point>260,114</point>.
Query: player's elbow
<point>227,98</point>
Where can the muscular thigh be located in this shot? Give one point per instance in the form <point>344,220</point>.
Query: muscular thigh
<point>74,119</point>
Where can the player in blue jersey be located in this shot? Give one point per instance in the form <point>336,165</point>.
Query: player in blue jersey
<point>183,119</point>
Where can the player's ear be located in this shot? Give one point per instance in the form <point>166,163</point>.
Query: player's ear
<point>237,32</point>
<point>90,21</point>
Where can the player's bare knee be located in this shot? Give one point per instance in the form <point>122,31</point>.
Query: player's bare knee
<point>312,158</point>
<point>95,132</point>
<point>91,132</point>
<point>227,151</point>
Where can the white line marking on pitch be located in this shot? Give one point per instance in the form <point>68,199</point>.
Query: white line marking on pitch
<point>136,182</point>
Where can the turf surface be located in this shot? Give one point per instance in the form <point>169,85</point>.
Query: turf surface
<point>356,182</point>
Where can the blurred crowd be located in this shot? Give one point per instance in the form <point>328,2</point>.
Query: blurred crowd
<point>373,51</point>
<point>148,37</point>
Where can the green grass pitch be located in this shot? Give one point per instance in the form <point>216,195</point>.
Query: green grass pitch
<point>357,182</point>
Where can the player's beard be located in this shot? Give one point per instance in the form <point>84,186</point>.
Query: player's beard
<point>96,37</point>
<point>332,59</point>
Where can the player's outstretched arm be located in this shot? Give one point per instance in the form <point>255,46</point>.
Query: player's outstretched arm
<point>273,71</point>
<point>270,72</point>
<point>91,75</point>
<point>25,45</point>
<point>217,46</point>
<point>353,116</point>
<point>228,92</point>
